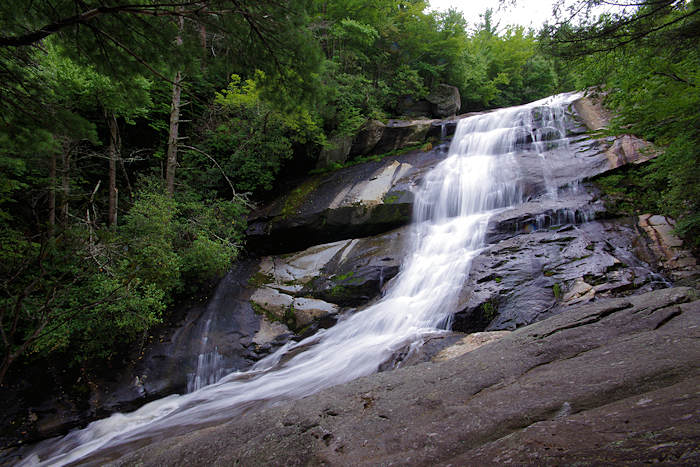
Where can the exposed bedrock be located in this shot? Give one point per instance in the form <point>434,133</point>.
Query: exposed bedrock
<point>608,382</point>
<point>376,196</point>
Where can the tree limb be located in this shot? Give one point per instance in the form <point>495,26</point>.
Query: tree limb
<point>192,148</point>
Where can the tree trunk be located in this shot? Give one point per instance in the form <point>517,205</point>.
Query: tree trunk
<point>52,195</point>
<point>171,162</point>
<point>65,183</point>
<point>114,150</point>
<point>173,134</point>
<point>6,362</point>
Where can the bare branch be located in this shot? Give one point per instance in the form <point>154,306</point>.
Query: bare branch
<point>192,148</point>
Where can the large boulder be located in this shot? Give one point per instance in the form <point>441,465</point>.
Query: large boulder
<point>445,101</point>
<point>367,138</point>
<point>348,273</point>
<point>628,149</point>
<point>399,134</point>
<point>336,153</point>
<point>410,107</point>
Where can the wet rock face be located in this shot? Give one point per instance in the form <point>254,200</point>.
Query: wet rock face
<point>358,201</point>
<point>611,382</point>
<point>305,288</point>
<point>225,326</point>
<point>668,252</point>
<point>527,277</point>
<point>374,197</point>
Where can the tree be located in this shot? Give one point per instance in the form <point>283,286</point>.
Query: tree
<point>121,40</point>
<point>72,78</point>
<point>647,59</point>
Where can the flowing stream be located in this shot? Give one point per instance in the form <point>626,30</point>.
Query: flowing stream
<point>452,208</point>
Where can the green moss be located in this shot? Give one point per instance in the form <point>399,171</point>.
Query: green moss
<point>338,291</point>
<point>548,273</point>
<point>343,277</point>
<point>390,199</point>
<point>595,279</point>
<point>579,258</point>
<point>489,310</point>
<point>556,289</point>
<point>259,279</point>
<point>290,317</point>
<point>390,214</point>
<point>258,309</point>
<point>616,267</point>
<point>264,312</point>
<point>498,279</point>
<point>295,199</point>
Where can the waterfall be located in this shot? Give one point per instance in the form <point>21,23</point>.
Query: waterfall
<point>209,367</point>
<point>452,208</point>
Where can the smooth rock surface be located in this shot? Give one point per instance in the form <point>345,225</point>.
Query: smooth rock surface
<point>468,343</point>
<point>607,382</point>
<point>346,273</point>
<point>592,112</point>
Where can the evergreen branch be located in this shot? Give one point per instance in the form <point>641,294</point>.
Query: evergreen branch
<point>159,9</point>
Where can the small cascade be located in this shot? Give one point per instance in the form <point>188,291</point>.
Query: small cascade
<point>209,371</point>
<point>547,131</point>
<point>209,364</point>
<point>479,177</point>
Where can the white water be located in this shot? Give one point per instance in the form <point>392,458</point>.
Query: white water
<point>452,209</point>
<point>209,367</point>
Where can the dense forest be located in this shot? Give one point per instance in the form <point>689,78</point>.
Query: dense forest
<point>135,137</point>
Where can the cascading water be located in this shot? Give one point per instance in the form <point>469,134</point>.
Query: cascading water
<point>451,213</point>
<point>209,364</point>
